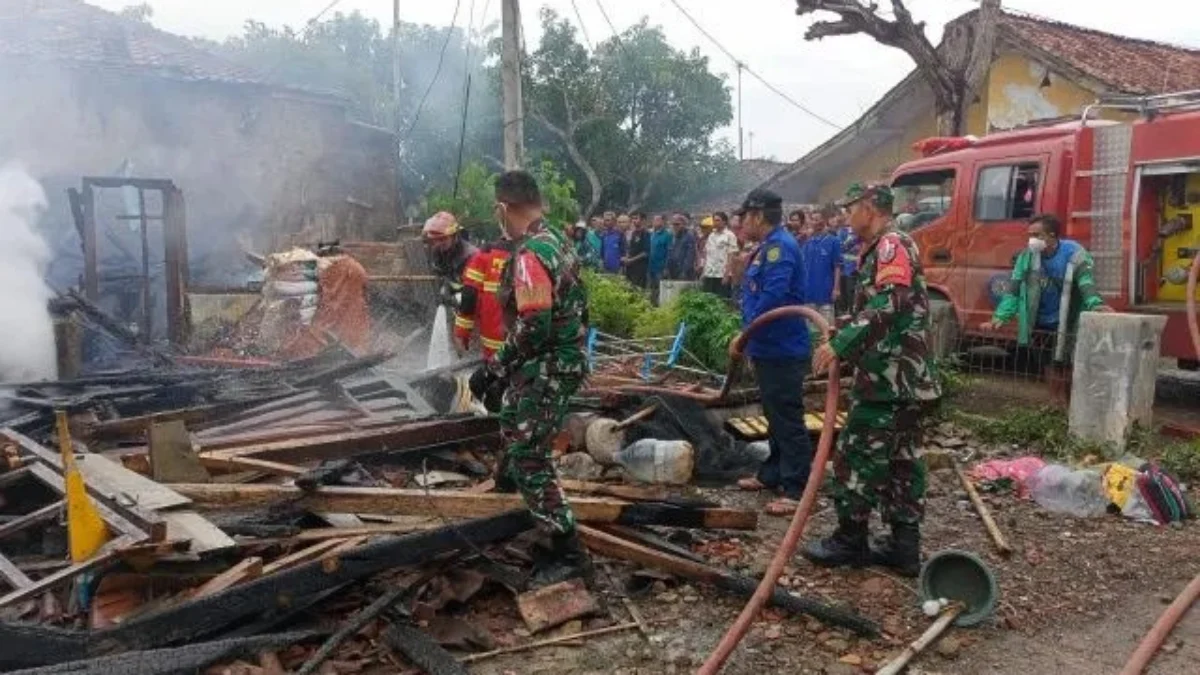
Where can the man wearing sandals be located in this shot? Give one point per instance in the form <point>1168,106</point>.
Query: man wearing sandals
<point>877,463</point>
<point>779,350</point>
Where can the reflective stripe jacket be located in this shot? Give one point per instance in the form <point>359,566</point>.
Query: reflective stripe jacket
<point>480,307</point>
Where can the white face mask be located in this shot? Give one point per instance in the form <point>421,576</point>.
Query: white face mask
<point>1037,245</point>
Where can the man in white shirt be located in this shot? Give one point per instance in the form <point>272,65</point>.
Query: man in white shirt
<point>719,250</point>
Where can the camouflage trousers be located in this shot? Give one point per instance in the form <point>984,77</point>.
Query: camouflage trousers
<point>877,464</point>
<point>532,414</point>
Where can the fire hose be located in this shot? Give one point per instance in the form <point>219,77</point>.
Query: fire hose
<point>792,537</point>
<point>1150,644</point>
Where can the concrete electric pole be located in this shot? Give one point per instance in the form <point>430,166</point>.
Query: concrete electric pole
<point>510,77</point>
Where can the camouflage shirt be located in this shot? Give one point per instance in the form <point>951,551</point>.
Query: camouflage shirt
<point>887,339</point>
<point>545,304</point>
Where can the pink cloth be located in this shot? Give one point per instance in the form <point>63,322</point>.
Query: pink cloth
<point>1020,470</point>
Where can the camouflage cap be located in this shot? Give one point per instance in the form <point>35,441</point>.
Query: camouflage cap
<point>879,194</point>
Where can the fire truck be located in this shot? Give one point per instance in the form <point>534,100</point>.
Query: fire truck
<point>1129,191</point>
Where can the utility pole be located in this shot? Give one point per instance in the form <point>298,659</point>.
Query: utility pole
<point>739,86</point>
<point>510,78</point>
<point>396,90</point>
<point>751,145</point>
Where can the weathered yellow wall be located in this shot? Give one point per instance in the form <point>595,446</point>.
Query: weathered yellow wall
<point>1014,96</point>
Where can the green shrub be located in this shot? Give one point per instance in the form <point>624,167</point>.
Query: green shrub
<point>1182,460</point>
<point>657,321</point>
<point>614,304</point>
<point>711,326</point>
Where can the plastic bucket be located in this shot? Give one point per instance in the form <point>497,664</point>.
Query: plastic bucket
<point>961,576</point>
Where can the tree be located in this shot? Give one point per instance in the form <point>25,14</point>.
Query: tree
<point>954,71</point>
<point>350,55</point>
<point>633,117</point>
<point>141,13</point>
<point>475,200</point>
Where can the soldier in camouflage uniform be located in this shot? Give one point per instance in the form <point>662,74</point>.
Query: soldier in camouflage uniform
<point>878,464</point>
<point>542,365</point>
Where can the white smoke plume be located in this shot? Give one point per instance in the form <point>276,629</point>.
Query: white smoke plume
<point>27,350</point>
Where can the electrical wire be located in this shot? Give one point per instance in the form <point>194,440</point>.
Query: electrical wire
<point>743,65</point>
<point>436,73</point>
<point>582,26</point>
<point>462,132</point>
<point>311,22</point>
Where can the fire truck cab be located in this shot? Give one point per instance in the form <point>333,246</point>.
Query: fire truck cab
<point>1128,191</point>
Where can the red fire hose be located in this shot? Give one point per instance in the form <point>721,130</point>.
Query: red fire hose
<point>1150,644</point>
<point>790,539</point>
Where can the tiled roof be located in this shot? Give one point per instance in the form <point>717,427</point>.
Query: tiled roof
<point>1124,64</point>
<point>73,31</point>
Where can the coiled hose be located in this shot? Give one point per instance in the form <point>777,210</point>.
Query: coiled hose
<point>1150,644</point>
<point>792,537</point>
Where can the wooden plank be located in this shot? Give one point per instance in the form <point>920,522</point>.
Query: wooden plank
<point>105,555</point>
<point>332,559</point>
<point>205,616</point>
<point>13,575</point>
<point>392,438</point>
<point>155,530</point>
<point>16,476</point>
<point>206,538</point>
<point>459,504</point>
<point>304,555</point>
<point>249,568</point>
<point>42,515</point>
<point>213,461</point>
<point>114,480</point>
<point>614,547</point>
<point>634,493</point>
<point>172,458</point>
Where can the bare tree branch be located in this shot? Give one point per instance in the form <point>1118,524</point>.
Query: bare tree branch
<point>567,135</point>
<point>954,71</point>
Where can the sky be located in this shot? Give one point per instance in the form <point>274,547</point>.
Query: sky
<point>836,78</point>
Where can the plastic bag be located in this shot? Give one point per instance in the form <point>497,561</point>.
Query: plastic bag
<point>1076,492</point>
<point>1018,470</point>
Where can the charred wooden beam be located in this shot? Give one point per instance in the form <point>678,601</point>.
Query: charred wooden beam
<point>205,616</point>
<point>459,504</point>
<point>393,438</point>
<point>422,651</point>
<point>188,659</point>
<point>615,547</point>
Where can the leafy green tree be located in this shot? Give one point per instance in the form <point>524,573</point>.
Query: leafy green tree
<point>350,55</point>
<point>635,118</point>
<point>476,197</point>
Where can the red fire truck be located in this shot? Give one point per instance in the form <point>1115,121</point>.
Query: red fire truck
<point>1128,191</point>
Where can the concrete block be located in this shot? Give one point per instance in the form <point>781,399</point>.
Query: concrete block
<point>669,290</point>
<point>1115,368</point>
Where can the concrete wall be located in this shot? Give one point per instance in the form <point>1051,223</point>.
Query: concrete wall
<point>254,164</point>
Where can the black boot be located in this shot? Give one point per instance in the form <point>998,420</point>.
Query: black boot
<point>900,551</point>
<point>846,547</point>
<point>565,559</point>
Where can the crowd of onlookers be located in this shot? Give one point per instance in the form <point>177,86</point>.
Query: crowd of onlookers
<point>713,251</point>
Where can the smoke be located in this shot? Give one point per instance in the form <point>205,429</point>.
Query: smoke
<point>27,349</point>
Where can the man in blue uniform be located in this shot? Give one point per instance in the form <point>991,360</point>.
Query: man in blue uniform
<point>822,260</point>
<point>779,351</point>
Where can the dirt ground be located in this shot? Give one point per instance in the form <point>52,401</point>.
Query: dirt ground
<point>1076,597</point>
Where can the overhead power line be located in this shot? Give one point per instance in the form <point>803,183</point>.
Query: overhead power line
<point>744,66</point>
<point>582,25</point>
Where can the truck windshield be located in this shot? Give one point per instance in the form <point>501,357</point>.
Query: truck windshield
<point>922,197</point>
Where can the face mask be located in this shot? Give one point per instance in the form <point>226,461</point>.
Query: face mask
<point>1037,245</point>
